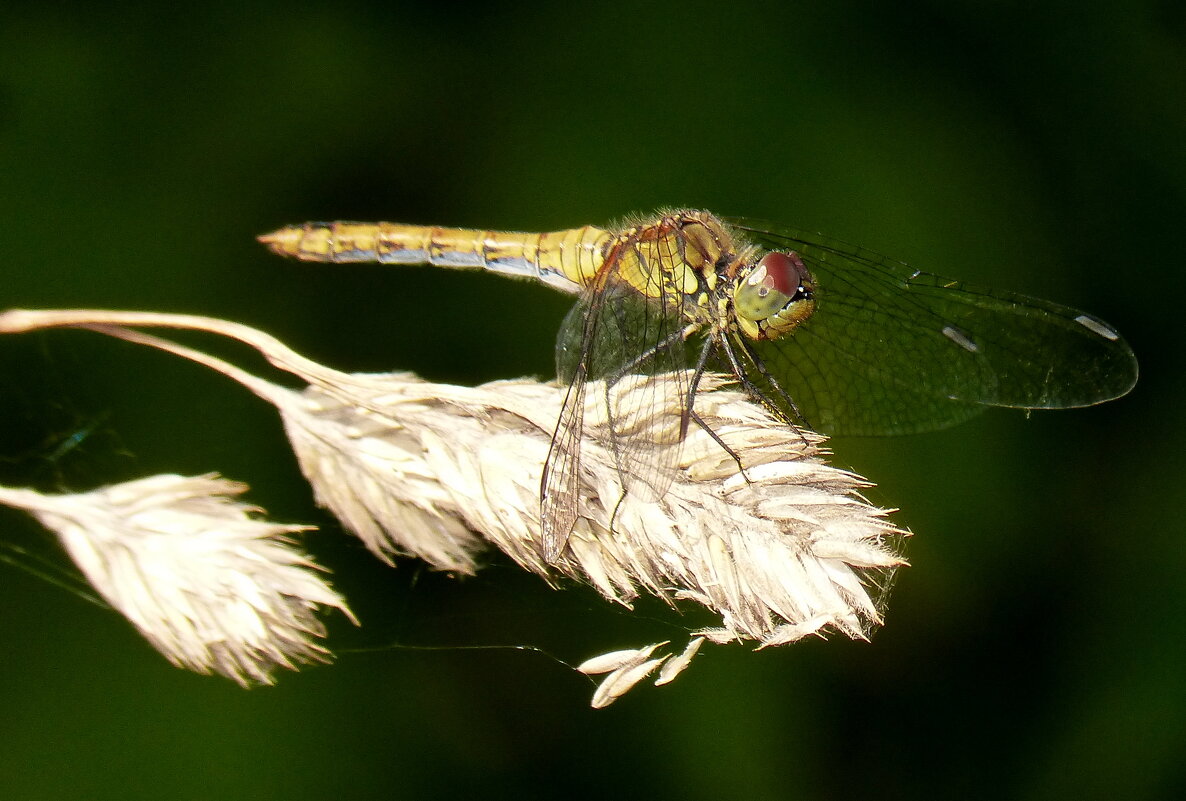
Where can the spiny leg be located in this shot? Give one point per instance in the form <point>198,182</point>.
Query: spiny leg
<point>690,406</point>
<point>669,341</point>
<point>799,420</point>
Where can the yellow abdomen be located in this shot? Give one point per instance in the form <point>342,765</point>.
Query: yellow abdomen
<point>567,260</point>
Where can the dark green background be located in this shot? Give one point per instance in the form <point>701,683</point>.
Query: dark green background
<point>1034,650</point>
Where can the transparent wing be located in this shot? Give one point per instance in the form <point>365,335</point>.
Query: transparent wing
<point>559,488</point>
<point>892,350</point>
<point>613,336</point>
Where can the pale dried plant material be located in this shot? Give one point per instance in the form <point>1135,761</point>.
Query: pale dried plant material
<point>617,683</point>
<point>677,664</point>
<point>616,660</point>
<point>212,585</point>
<point>785,549</point>
<point>627,668</point>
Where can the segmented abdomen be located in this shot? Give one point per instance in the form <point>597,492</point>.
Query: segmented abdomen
<point>566,260</point>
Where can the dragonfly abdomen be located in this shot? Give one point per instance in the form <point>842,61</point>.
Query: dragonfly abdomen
<point>565,260</point>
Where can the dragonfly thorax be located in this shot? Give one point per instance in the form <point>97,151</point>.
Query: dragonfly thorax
<point>774,296</point>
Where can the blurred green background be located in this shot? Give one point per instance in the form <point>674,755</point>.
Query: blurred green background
<point>1035,648</point>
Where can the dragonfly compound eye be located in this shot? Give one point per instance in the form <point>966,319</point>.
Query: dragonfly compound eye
<point>777,295</point>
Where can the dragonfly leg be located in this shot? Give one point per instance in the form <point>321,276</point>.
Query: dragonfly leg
<point>670,341</point>
<point>796,417</point>
<point>690,407</point>
<point>688,414</point>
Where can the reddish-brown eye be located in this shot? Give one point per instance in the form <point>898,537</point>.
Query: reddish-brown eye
<point>774,297</point>
<point>785,271</point>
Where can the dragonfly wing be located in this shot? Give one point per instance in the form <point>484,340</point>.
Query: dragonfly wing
<point>560,484</point>
<point>637,340</point>
<point>618,339</point>
<point>893,350</point>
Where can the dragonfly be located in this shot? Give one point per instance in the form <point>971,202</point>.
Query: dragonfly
<point>825,335</point>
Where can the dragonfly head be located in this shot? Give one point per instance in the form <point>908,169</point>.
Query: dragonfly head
<point>775,296</point>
